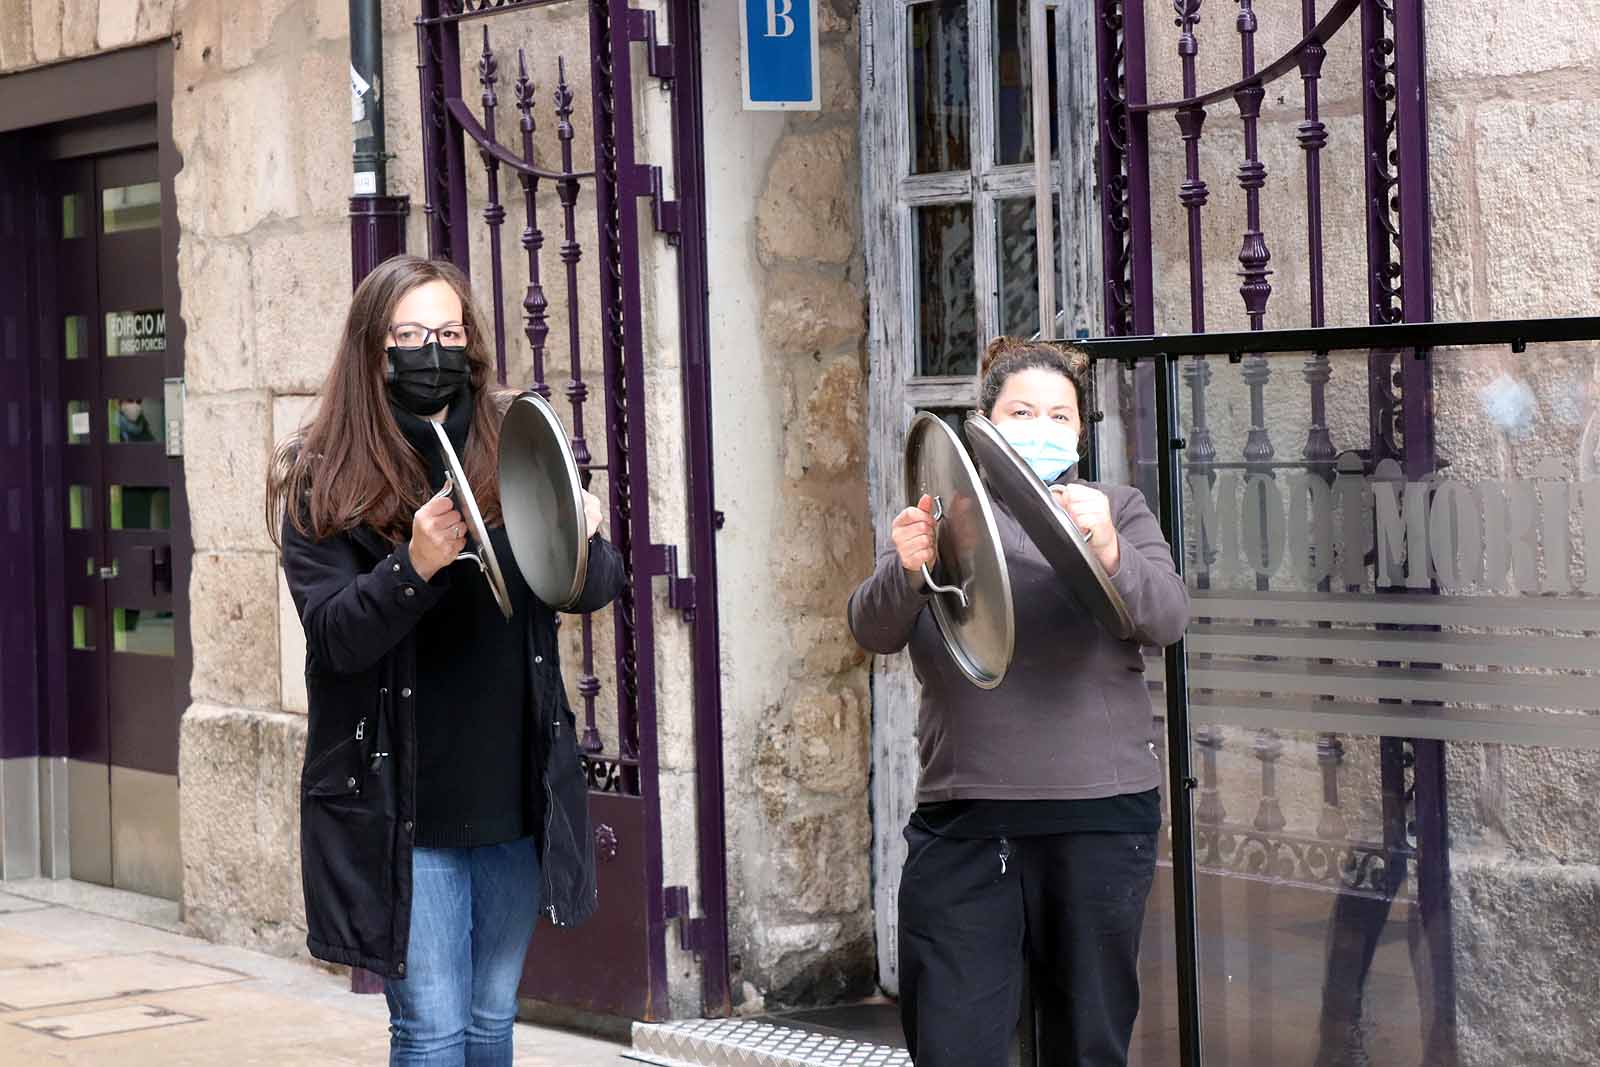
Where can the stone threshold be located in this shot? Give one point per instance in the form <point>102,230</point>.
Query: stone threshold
<point>750,1043</point>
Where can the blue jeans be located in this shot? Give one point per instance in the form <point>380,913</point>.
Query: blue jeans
<point>473,911</point>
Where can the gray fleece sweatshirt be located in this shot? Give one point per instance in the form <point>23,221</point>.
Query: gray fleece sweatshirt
<point>1072,720</point>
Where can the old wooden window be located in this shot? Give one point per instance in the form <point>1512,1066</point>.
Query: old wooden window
<point>961,100</point>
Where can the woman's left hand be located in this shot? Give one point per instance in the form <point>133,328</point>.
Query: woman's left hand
<point>592,512</point>
<point>1090,510</point>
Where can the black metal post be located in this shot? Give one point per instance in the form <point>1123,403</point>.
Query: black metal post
<point>377,220</point>
<point>1182,782</point>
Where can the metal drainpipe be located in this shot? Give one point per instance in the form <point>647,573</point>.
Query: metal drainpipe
<point>377,220</point>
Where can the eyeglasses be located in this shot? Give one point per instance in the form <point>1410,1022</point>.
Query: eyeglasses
<point>415,335</point>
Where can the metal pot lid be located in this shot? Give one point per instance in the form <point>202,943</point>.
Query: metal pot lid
<point>1049,527</point>
<point>541,498</point>
<point>483,553</point>
<point>974,612</point>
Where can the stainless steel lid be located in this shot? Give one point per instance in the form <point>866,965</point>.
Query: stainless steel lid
<point>974,612</point>
<point>483,551</point>
<point>541,498</point>
<point>1047,525</point>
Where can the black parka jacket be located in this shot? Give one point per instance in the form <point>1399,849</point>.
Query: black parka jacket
<point>359,600</point>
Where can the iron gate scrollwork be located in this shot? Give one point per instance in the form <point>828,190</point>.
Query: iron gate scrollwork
<point>1369,875</point>
<point>617,963</point>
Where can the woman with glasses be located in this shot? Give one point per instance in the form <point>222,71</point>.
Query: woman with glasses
<point>443,803</point>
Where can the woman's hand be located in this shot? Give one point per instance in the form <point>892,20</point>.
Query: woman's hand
<point>913,536</point>
<point>1090,510</point>
<point>593,514</point>
<point>438,534</point>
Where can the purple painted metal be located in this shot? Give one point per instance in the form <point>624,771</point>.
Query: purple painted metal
<point>535,305</point>
<point>494,213</point>
<point>377,231</point>
<point>695,340</point>
<point>1193,194</point>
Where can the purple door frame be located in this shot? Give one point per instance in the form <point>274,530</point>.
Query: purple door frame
<point>617,964</point>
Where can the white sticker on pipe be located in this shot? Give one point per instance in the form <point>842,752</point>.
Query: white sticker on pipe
<point>358,89</point>
<point>365,183</point>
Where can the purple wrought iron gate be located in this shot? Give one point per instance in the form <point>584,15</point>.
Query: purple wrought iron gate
<point>1393,101</point>
<point>617,963</point>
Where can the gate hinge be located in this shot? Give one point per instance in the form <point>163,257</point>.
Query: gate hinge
<point>649,181</point>
<point>663,559</point>
<point>691,930</point>
<point>662,59</point>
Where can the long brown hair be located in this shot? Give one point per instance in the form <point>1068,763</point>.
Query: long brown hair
<point>352,466</point>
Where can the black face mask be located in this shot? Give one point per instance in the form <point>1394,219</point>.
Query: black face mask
<point>424,380</point>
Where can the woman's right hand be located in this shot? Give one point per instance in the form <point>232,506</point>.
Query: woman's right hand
<point>438,534</point>
<point>913,536</point>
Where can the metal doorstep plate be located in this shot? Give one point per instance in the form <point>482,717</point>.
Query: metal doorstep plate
<point>977,623</point>
<point>747,1043</point>
<point>1049,527</point>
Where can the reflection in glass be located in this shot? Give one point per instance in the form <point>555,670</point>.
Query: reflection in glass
<point>77,336</point>
<point>132,420</point>
<point>941,133</point>
<point>141,507</point>
<point>72,216</point>
<point>131,207</point>
<point>142,633</point>
<point>80,507</point>
<point>136,333</point>
<point>77,422</point>
<point>1361,886</point>
<point>947,314</point>
<point>1013,89</point>
<point>1017,240</point>
<point>82,628</point>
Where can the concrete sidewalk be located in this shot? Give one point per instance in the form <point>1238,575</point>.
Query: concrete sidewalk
<point>93,976</point>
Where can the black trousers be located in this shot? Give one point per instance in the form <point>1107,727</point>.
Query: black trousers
<point>975,912</point>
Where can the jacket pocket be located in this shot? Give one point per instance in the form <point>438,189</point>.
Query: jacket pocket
<point>340,771</point>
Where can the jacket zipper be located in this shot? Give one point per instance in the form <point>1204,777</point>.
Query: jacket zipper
<point>549,821</point>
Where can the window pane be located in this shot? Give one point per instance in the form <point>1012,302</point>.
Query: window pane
<point>1017,239</point>
<point>141,507</point>
<point>941,135</point>
<point>1013,90</point>
<point>142,633</point>
<point>77,336</point>
<point>131,207</point>
<point>136,333</point>
<point>947,314</point>
<point>80,507</point>
<point>72,216</point>
<point>82,628</point>
<point>134,420</point>
<point>77,422</point>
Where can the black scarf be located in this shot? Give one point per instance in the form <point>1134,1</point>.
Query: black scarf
<point>423,441</point>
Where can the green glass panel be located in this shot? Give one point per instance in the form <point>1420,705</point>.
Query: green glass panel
<point>135,420</point>
<point>77,337</point>
<point>141,507</point>
<point>73,216</point>
<point>131,207</point>
<point>143,633</point>
<point>82,628</point>
<point>80,507</point>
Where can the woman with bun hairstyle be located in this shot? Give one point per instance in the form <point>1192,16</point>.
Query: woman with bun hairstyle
<point>1033,844</point>
<point>443,805</point>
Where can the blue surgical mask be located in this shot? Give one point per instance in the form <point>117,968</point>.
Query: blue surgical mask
<point>1047,446</point>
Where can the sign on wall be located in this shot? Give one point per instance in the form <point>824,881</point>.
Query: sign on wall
<point>780,55</point>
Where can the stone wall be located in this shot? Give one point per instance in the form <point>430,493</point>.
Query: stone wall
<point>790,434</point>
